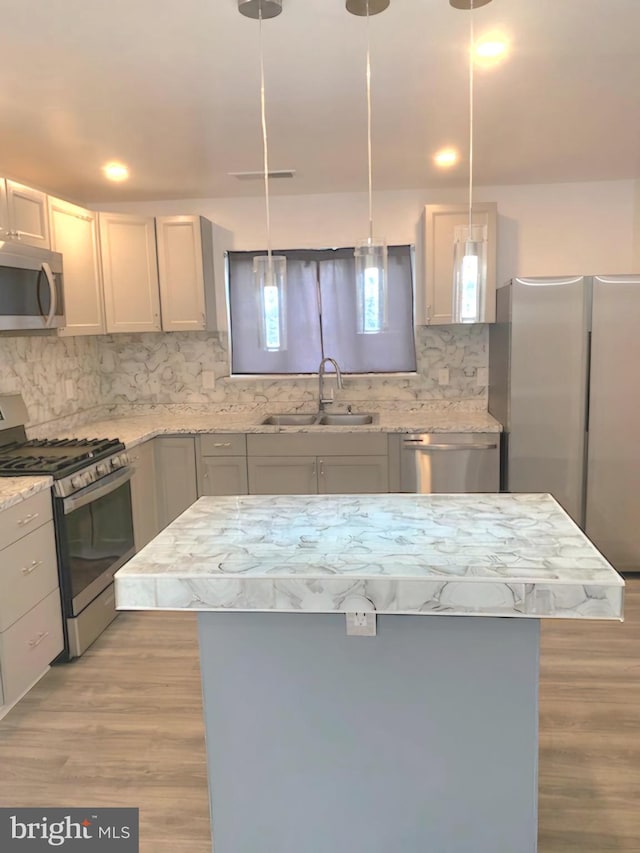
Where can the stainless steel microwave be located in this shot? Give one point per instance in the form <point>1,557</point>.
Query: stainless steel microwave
<point>31,293</point>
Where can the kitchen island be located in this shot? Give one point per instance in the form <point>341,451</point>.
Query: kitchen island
<point>420,738</point>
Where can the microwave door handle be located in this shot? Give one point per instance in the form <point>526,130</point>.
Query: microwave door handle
<point>53,295</point>
<point>97,490</point>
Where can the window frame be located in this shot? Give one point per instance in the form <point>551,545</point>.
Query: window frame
<point>253,377</point>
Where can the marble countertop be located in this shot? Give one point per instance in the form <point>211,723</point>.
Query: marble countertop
<point>478,555</point>
<point>136,429</point>
<point>175,420</point>
<point>16,489</point>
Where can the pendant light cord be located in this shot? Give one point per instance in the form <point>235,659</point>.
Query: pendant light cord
<point>264,143</point>
<point>471,39</point>
<point>369,125</point>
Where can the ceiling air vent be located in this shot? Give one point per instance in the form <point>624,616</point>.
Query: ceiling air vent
<point>259,176</point>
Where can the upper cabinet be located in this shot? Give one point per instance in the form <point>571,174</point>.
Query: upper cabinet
<point>23,214</point>
<point>185,268</point>
<point>434,297</point>
<point>74,233</point>
<point>130,273</point>
<point>158,274</point>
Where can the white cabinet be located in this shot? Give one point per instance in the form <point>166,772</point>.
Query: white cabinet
<point>434,291</point>
<point>31,633</point>
<point>185,269</point>
<point>130,273</point>
<point>175,461</point>
<point>23,214</point>
<point>74,233</point>
<point>144,494</point>
<point>158,273</point>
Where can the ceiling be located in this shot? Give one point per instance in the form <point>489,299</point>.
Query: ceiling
<point>172,89</point>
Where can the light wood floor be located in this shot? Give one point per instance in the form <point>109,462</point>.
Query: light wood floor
<point>122,726</point>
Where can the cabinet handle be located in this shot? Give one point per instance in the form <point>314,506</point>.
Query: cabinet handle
<point>313,471</point>
<point>428,313</point>
<point>28,519</point>
<point>222,444</point>
<point>322,467</point>
<point>26,570</point>
<point>41,636</point>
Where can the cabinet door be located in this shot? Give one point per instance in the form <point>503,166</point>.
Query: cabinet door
<point>144,494</point>
<point>181,273</point>
<point>343,475</point>
<point>27,215</point>
<point>282,475</point>
<point>175,461</point>
<point>435,296</point>
<point>74,233</point>
<point>130,273</point>
<point>29,573</point>
<point>220,475</point>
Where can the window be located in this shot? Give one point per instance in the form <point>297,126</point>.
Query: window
<point>322,316</point>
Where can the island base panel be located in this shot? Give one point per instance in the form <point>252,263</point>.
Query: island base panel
<point>423,739</point>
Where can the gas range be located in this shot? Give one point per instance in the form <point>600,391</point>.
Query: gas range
<point>73,463</point>
<point>92,516</point>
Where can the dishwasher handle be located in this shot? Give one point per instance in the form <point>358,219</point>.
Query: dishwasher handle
<point>418,445</point>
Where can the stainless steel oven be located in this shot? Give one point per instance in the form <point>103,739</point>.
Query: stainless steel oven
<point>92,515</point>
<point>95,537</point>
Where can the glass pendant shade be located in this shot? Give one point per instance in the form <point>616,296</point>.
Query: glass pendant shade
<point>371,286</point>
<point>469,274</point>
<point>270,279</point>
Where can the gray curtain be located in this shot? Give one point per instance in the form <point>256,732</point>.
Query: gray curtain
<point>322,315</point>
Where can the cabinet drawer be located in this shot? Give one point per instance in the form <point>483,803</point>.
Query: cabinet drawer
<point>28,573</point>
<point>24,517</point>
<point>308,444</point>
<point>29,645</point>
<point>223,444</point>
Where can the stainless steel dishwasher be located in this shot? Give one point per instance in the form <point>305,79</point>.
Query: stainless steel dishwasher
<point>440,463</point>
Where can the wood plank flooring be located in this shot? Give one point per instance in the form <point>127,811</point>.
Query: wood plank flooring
<point>122,726</point>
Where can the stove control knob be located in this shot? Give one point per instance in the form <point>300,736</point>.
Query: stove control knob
<point>102,469</point>
<point>78,481</point>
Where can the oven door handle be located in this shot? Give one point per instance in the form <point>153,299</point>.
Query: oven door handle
<point>98,490</point>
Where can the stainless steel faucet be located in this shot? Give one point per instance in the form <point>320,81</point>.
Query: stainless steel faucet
<point>322,400</point>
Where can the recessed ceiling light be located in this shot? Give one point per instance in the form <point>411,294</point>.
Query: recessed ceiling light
<point>116,172</point>
<point>491,49</point>
<point>446,158</point>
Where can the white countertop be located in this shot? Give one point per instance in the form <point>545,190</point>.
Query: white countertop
<point>135,429</point>
<point>16,489</point>
<point>480,555</point>
<point>138,428</point>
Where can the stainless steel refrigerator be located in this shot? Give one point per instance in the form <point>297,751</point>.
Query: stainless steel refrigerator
<point>564,380</point>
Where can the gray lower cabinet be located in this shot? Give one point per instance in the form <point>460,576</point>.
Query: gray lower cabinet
<point>283,475</point>
<point>344,475</point>
<point>175,462</point>
<point>327,463</point>
<point>222,464</point>
<point>144,493</point>
<point>30,610</point>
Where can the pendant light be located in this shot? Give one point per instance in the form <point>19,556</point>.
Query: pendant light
<point>269,271</point>
<point>370,254</point>
<point>470,241</point>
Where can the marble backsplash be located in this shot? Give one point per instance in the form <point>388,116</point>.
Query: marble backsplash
<point>174,368</point>
<point>57,377</point>
<point>62,378</point>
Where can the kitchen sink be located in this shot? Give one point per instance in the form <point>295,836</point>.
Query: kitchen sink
<point>291,420</point>
<point>346,419</point>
